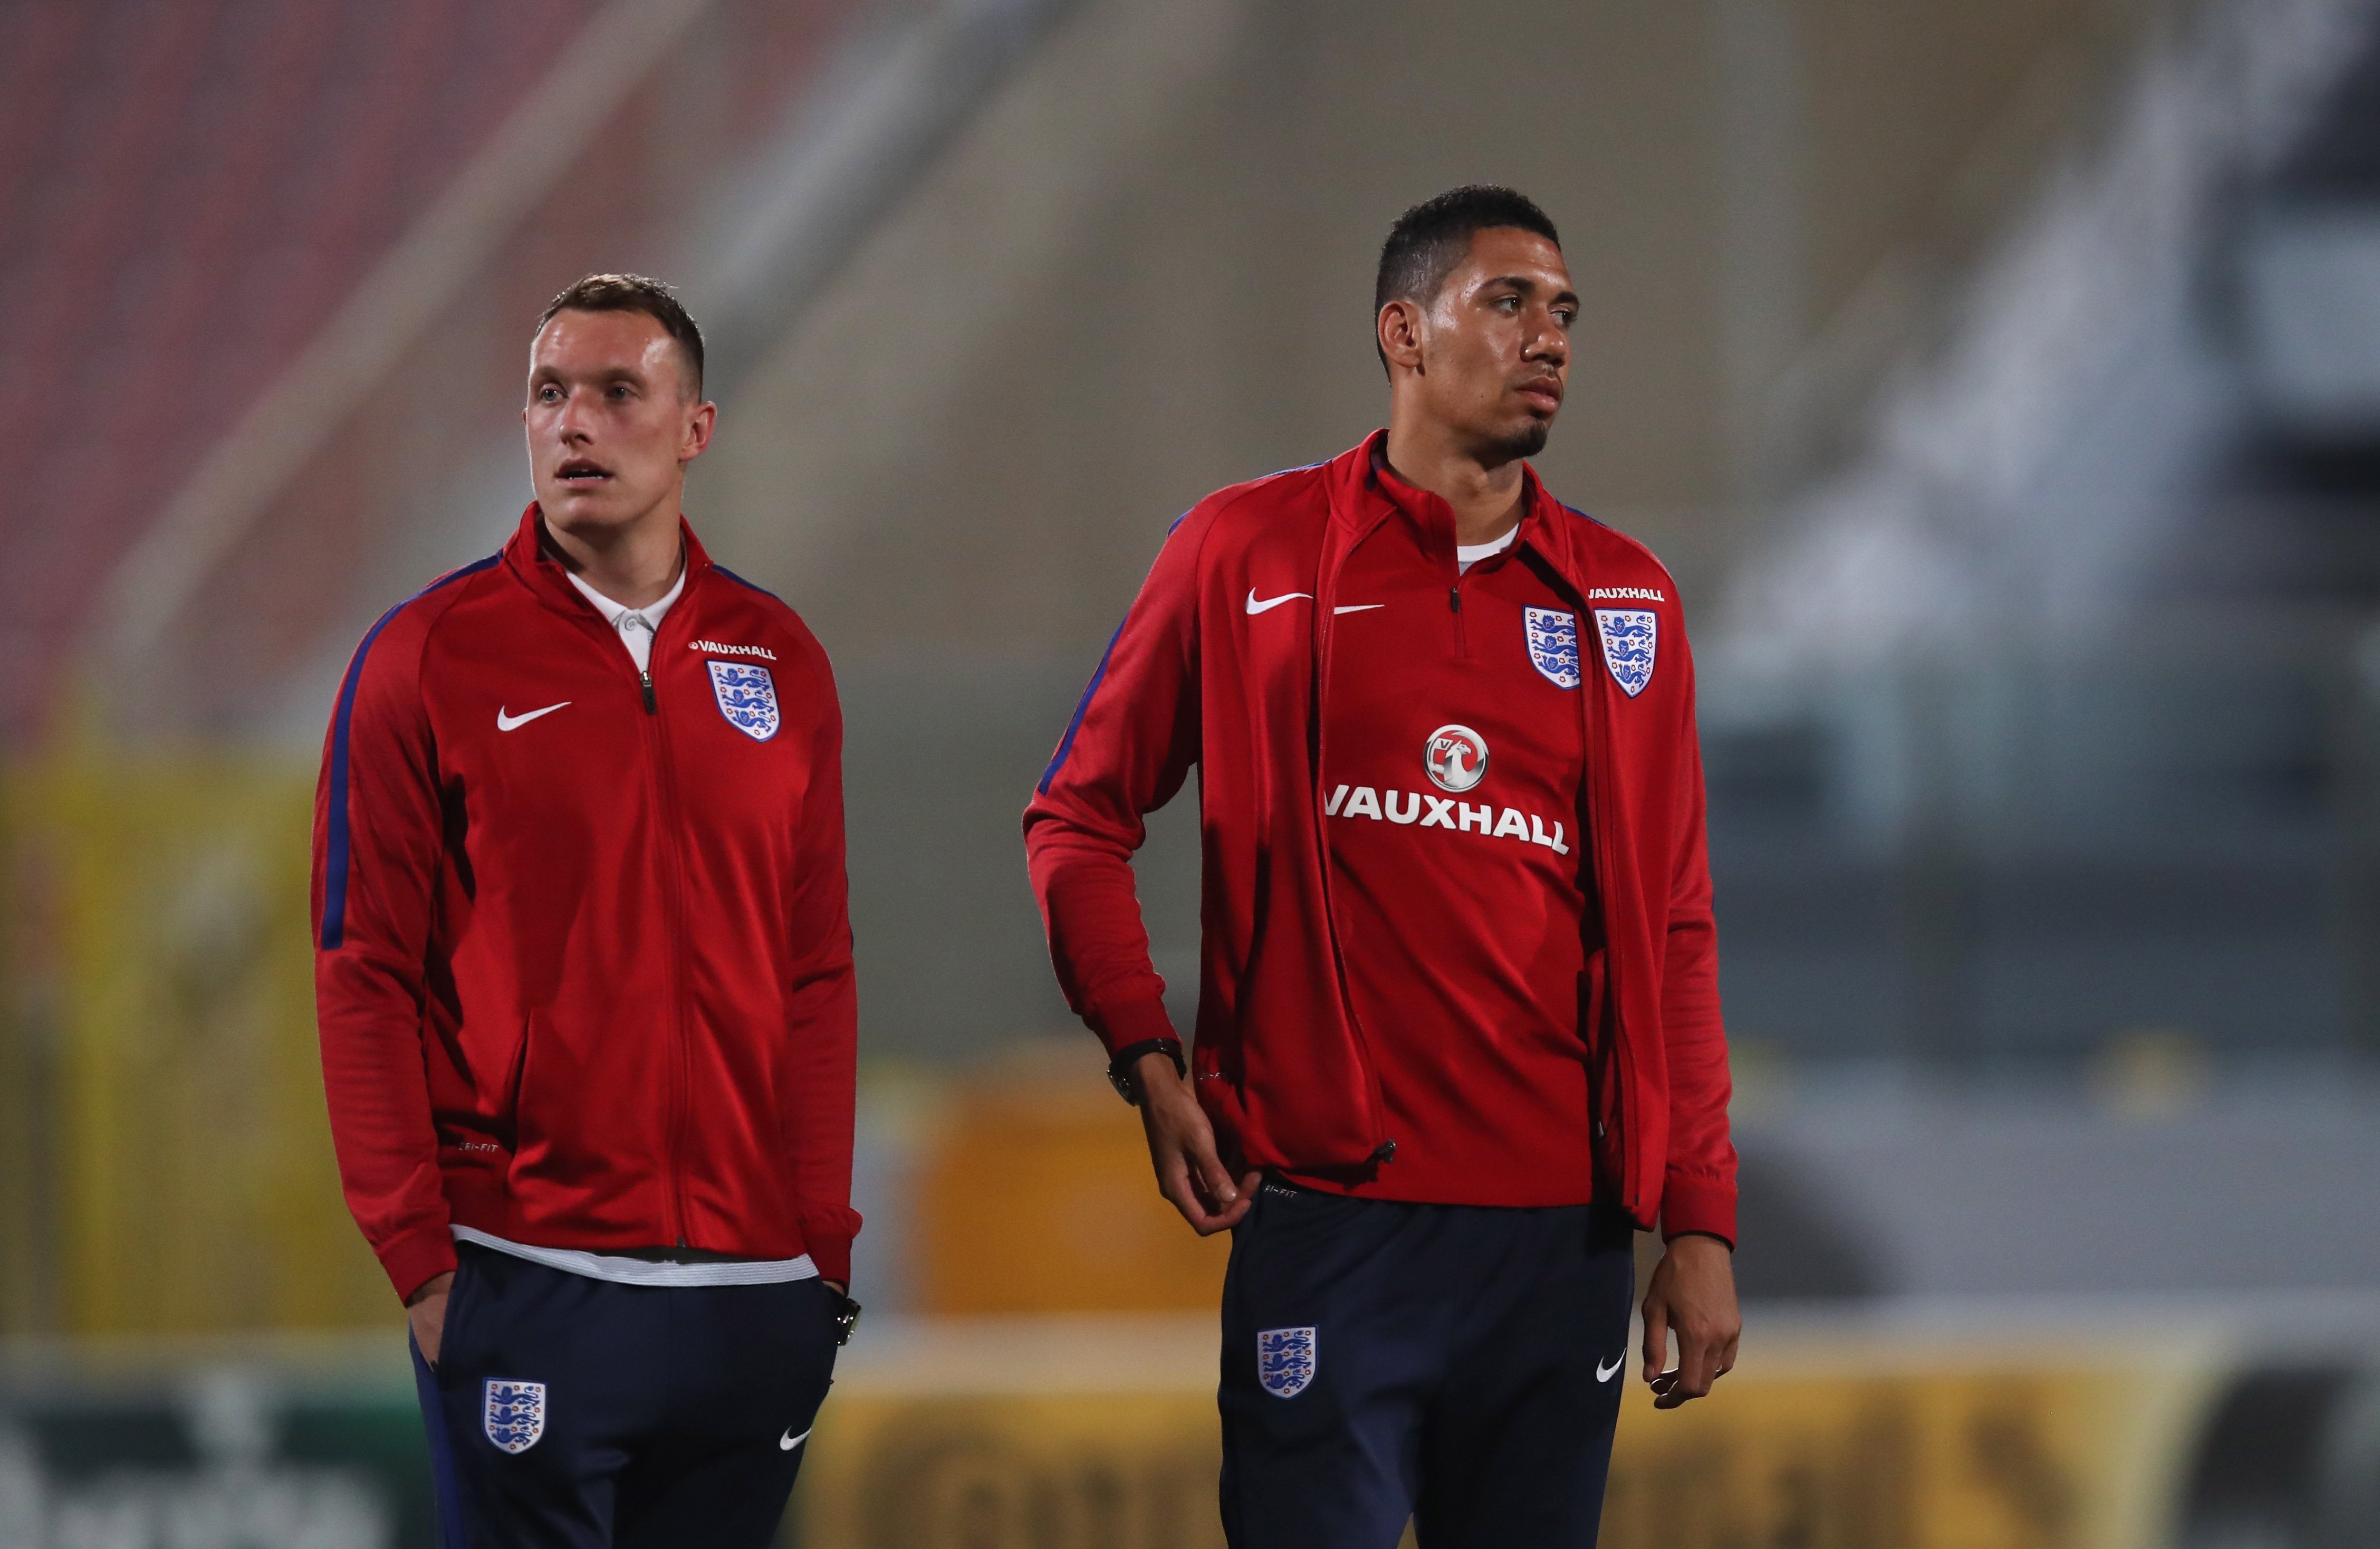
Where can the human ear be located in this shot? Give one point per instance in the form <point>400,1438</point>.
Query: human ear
<point>1399,327</point>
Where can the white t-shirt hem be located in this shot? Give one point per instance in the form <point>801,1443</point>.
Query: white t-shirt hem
<point>644,1272</point>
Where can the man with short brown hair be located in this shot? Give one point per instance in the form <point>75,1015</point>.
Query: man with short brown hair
<point>584,979</point>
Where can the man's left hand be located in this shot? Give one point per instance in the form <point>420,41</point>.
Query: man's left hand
<point>1692,1294</point>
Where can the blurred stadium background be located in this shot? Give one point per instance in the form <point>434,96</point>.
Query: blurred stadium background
<point>2001,378</point>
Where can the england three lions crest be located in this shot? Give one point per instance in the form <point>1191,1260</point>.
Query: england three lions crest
<point>1630,639</point>
<point>513,1413</point>
<point>747,697</point>
<point>1285,1361</point>
<point>1553,644</point>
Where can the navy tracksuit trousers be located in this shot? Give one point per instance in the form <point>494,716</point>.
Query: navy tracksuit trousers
<point>1458,1364</point>
<point>577,1413</point>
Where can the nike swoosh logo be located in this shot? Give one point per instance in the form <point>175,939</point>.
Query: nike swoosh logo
<point>1603,1373</point>
<point>1271,603</point>
<point>787,1442</point>
<point>1360,607</point>
<point>514,723</point>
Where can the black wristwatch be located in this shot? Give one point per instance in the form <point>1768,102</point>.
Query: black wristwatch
<point>1121,1067</point>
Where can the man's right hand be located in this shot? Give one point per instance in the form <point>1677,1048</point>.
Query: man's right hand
<point>1182,1146</point>
<point>427,1308</point>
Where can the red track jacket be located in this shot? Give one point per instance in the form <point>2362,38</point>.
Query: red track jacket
<point>1280,1063</point>
<point>584,969</point>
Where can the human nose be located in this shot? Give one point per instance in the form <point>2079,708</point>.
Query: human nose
<point>1548,342</point>
<point>570,419</point>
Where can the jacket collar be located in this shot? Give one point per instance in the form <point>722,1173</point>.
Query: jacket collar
<point>1367,492</point>
<point>531,557</point>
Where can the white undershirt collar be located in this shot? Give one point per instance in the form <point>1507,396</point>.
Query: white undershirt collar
<point>1468,554</point>
<point>637,626</point>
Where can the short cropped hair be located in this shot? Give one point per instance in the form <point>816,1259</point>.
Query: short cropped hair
<point>633,293</point>
<point>1433,238</point>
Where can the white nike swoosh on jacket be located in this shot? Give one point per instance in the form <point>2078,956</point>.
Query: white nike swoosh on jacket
<point>509,722</point>
<point>1269,603</point>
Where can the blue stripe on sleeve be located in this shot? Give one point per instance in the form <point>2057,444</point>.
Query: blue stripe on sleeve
<point>335,870</point>
<point>1082,706</point>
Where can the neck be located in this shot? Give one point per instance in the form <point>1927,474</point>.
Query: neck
<point>1485,497</point>
<point>633,564</point>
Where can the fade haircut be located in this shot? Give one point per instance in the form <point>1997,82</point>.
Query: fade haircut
<point>634,293</point>
<point>1433,238</point>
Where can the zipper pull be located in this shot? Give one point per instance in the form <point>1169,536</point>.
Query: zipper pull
<point>645,677</point>
<point>1454,598</point>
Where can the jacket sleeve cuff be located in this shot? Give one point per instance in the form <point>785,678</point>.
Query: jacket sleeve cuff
<point>832,1253</point>
<point>1123,1025</point>
<point>412,1259</point>
<point>1693,1204</point>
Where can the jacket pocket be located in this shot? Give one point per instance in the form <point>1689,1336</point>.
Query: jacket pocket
<point>1591,1004</point>
<point>586,1130</point>
<point>508,1113</point>
<point>1604,1075</point>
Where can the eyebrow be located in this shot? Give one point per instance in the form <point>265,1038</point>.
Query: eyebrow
<point>609,373</point>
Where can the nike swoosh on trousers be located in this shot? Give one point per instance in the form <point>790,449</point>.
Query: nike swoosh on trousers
<point>509,722</point>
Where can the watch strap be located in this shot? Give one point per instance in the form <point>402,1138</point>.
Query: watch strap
<point>1119,1068</point>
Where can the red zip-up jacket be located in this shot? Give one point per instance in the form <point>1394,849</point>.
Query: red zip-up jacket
<point>1280,1063</point>
<point>583,967</point>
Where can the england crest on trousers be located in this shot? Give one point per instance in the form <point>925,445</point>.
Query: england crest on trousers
<point>513,1413</point>
<point>747,697</point>
<point>1553,644</point>
<point>1285,1361</point>
<point>1630,638</point>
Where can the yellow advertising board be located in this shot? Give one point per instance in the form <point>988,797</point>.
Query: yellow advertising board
<point>166,1155</point>
<point>1054,1434</point>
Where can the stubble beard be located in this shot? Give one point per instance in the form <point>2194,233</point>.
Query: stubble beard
<point>1526,442</point>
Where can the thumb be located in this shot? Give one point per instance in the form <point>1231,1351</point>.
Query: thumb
<point>1657,1337</point>
<point>1215,1177</point>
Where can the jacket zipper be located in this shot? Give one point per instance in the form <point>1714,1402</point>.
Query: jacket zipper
<point>674,912</point>
<point>1617,1062</point>
<point>1455,604</point>
<point>675,1081</point>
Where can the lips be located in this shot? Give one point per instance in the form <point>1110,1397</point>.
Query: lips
<point>1544,392</point>
<point>583,473</point>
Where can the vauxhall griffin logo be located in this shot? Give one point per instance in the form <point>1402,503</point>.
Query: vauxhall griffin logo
<point>1456,757</point>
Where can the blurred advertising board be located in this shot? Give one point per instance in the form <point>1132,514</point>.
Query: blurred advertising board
<point>1950,1427</point>
<point>279,1443</point>
<point>1940,1427</point>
